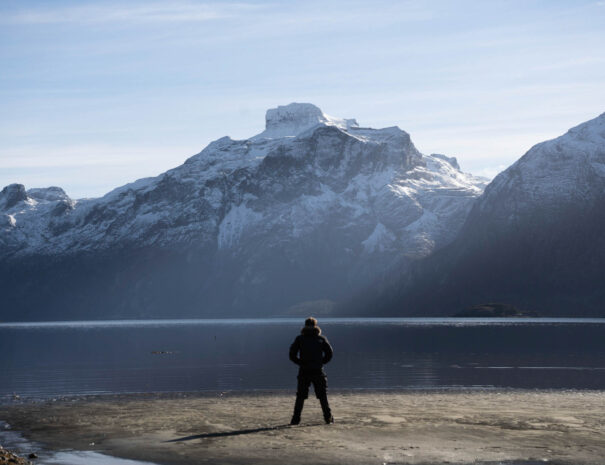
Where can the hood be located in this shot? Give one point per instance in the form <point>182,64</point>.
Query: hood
<point>310,331</point>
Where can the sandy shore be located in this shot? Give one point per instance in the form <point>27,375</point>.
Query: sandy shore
<point>371,427</point>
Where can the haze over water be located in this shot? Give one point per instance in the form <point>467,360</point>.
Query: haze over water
<point>73,358</point>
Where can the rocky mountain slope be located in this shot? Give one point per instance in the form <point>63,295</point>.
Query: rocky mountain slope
<point>533,239</point>
<point>312,208</point>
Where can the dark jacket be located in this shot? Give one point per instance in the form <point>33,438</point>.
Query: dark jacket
<point>314,349</point>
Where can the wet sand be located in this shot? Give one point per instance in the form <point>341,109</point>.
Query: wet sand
<point>563,427</point>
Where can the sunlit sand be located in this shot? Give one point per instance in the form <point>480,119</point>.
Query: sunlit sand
<point>565,427</point>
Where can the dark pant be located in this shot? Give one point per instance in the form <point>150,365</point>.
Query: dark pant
<point>319,380</point>
<point>320,385</point>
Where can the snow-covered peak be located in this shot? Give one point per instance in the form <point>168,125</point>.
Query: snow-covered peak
<point>583,142</point>
<point>49,194</point>
<point>451,160</point>
<point>592,130</point>
<point>581,145</point>
<point>557,173</point>
<point>296,118</point>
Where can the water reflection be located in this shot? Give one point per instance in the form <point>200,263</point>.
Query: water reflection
<point>189,355</point>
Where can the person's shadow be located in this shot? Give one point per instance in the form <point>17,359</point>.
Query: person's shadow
<point>239,432</point>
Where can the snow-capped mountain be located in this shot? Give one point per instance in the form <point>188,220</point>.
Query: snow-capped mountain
<point>533,239</point>
<point>311,208</point>
<point>566,171</point>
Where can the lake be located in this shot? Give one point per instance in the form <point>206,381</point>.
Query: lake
<point>41,360</point>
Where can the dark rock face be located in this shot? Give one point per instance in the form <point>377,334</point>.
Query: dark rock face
<point>48,193</point>
<point>11,195</point>
<point>534,239</point>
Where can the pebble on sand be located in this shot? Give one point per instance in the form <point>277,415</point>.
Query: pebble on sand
<point>9,458</point>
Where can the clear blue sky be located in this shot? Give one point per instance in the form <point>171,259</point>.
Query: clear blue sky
<point>97,94</point>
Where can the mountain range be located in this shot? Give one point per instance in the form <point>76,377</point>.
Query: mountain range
<point>534,239</point>
<point>296,218</point>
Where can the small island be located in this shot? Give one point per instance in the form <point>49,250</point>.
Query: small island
<point>494,310</point>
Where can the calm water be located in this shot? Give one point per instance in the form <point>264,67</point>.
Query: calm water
<point>51,359</point>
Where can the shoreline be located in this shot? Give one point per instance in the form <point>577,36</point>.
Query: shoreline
<point>10,401</point>
<point>386,426</point>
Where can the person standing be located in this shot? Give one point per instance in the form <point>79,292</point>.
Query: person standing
<point>310,351</point>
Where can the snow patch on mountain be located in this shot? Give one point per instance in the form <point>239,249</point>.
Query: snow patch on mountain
<point>8,221</point>
<point>380,240</point>
<point>451,160</point>
<point>235,224</point>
